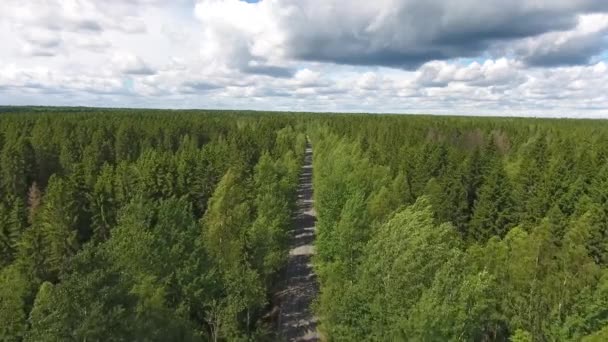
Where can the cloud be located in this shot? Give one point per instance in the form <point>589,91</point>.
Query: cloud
<point>131,64</point>
<point>495,73</point>
<point>42,38</point>
<point>199,86</point>
<point>268,70</point>
<point>402,34</point>
<point>40,42</point>
<point>47,81</point>
<point>469,57</point>
<point>95,43</point>
<point>572,47</point>
<point>307,78</point>
<point>242,36</point>
<point>48,28</point>
<point>82,16</point>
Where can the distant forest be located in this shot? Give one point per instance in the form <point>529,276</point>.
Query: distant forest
<point>151,225</point>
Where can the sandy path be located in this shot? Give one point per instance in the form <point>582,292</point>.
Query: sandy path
<point>296,320</point>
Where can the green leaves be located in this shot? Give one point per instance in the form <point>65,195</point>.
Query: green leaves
<point>398,264</point>
<point>57,223</point>
<point>527,199</point>
<point>226,220</point>
<point>401,261</point>
<point>92,303</point>
<point>494,207</point>
<point>13,294</point>
<point>459,305</point>
<point>143,227</point>
<point>12,225</point>
<point>148,226</point>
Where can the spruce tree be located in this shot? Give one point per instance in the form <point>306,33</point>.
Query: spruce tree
<point>493,210</point>
<point>58,224</point>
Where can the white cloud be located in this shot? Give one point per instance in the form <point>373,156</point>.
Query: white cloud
<point>237,34</point>
<point>396,33</point>
<point>575,46</point>
<point>130,64</point>
<point>307,78</point>
<point>44,80</point>
<point>466,57</point>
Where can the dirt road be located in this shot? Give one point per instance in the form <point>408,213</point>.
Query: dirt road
<point>296,320</point>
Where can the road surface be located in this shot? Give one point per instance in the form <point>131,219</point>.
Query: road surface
<point>296,320</point>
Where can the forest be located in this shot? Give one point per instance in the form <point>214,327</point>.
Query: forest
<point>151,225</point>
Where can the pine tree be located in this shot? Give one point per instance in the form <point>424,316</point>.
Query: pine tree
<point>127,143</point>
<point>94,303</point>
<point>78,188</point>
<point>17,166</point>
<point>34,198</point>
<point>46,150</point>
<point>399,262</point>
<point>104,206</point>
<point>31,258</point>
<point>352,232</point>
<point>13,296</point>
<point>530,192</point>
<point>6,250</point>
<point>58,225</point>
<point>226,220</point>
<point>12,225</point>
<point>493,210</point>
<point>448,196</point>
<point>598,244</point>
<point>474,177</point>
<point>461,302</point>
<point>266,237</point>
<point>94,155</point>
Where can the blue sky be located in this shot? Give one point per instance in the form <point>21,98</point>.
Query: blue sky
<point>447,57</point>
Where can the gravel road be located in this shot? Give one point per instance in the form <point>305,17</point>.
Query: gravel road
<point>296,319</point>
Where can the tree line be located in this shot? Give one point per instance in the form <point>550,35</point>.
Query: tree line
<point>143,225</point>
<point>439,228</point>
<point>153,225</point>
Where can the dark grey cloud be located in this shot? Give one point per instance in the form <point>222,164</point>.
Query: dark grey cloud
<point>35,52</point>
<point>572,51</point>
<point>41,43</point>
<point>88,25</point>
<point>130,64</point>
<point>358,53</point>
<point>268,70</point>
<point>271,92</point>
<point>193,87</point>
<point>47,42</point>
<point>408,33</point>
<point>57,23</point>
<point>140,70</point>
<point>331,91</point>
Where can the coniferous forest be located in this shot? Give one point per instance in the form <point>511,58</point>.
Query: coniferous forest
<point>150,225</point>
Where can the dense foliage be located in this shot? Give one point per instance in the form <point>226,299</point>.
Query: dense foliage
<point>122,225</point>
<point>434,229</point>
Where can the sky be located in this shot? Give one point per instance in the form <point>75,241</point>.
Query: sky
<point>545,58</point>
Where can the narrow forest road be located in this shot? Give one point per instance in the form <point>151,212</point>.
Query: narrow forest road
<point>296,320</point>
